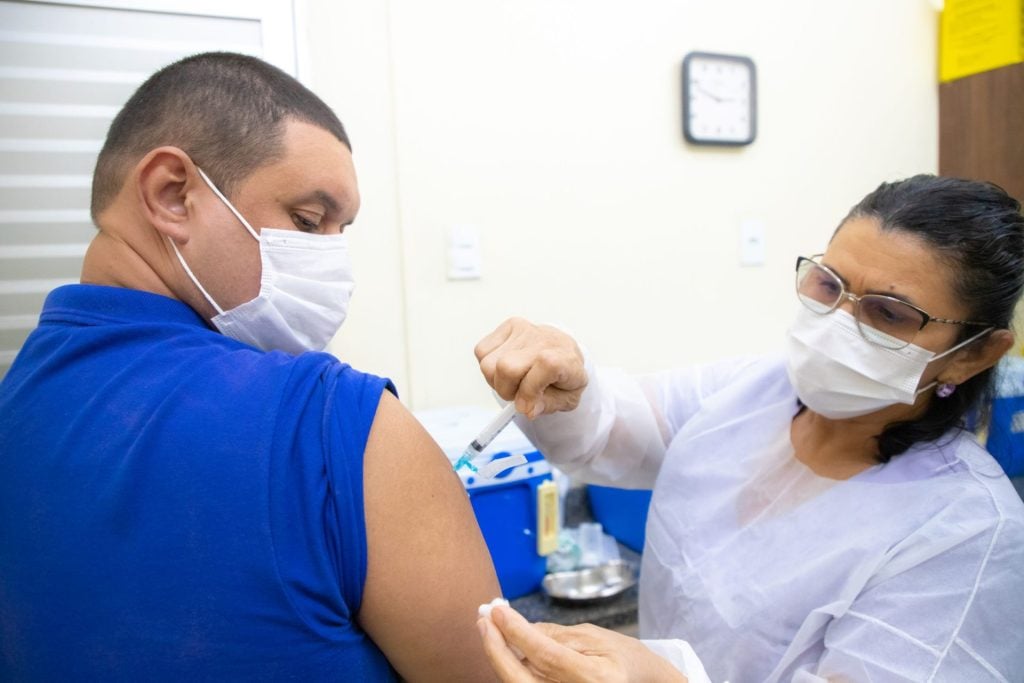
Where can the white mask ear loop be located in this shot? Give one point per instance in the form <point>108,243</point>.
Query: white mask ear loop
<point>195,280</point>
<point>228,204</point>
<point>949,351</point>
<point>181,259</point>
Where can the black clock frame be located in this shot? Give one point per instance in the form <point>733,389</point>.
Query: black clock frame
<point>687,133</point>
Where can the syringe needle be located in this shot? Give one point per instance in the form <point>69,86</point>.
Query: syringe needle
<point>485,437</point>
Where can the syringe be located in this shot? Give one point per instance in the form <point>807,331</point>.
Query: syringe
<point>485,437</point>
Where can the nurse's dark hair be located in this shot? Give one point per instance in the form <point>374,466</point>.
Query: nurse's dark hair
<point>226,111</point>
<point>978,230</point>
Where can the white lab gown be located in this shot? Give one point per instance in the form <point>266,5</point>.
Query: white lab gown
<point>909,571</point>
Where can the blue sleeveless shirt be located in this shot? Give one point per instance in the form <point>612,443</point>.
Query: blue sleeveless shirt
<point>176,505</point>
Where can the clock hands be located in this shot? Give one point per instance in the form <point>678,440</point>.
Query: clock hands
<point>716,98</point>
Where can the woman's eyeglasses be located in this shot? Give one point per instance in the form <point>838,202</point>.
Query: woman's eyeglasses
<point>882,320</point>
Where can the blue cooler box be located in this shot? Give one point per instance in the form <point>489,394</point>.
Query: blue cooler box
<point>1006,428</point>
<point>622,513</point>
<point>506,506</point>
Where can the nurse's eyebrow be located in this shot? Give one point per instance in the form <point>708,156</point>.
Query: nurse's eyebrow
<point>891,295</point>
<point>846,283</point>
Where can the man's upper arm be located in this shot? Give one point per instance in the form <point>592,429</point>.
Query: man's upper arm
<point>428,567</point>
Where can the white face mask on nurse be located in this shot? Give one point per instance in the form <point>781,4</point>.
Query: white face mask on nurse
<point>844,365</point>
<point>849,355</point>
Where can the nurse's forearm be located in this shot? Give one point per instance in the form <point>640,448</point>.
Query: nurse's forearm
<point>613,437</point>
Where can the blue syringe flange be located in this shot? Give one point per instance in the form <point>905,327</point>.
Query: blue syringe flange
<point>466,460</point>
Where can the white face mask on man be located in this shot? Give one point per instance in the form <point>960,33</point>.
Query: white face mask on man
<point>839,374</point>
<point>305,288</point>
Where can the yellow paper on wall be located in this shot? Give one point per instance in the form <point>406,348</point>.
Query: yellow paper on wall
<point>979,35</point>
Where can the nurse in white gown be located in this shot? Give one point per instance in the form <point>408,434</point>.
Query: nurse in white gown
<point>820,515</point>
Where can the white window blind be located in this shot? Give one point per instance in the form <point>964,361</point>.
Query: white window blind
<point>65,71</point>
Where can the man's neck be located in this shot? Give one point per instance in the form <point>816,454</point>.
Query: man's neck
<point>113,262</point>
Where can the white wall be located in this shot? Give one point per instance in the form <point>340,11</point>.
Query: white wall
<point>553,127</point>
<point>345,58</point>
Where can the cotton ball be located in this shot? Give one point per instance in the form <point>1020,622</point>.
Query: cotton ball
<point>485,609</point>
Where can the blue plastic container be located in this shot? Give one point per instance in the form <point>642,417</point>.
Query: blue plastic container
<point>622,513</point>
<point>1006,427</point>
<point>1006,434</point>
<point>506,509</point>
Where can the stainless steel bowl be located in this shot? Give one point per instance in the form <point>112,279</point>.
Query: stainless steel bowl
<point>593,583</point>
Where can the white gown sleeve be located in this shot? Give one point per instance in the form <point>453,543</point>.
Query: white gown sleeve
<point>613,437</point>
<point>682,657</point>
<point>619,433</point>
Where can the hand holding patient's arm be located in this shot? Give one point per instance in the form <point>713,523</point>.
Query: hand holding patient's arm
<point>573,654</point>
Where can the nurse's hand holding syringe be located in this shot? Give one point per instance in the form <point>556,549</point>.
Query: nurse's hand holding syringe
<point>537,367</point>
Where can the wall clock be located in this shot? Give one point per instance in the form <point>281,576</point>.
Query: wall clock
<point>719,99</point>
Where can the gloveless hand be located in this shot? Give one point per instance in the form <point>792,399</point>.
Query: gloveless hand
<point>572,654</point>
<point>537,366</point>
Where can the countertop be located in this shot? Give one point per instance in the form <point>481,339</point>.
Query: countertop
<point>615,612</point>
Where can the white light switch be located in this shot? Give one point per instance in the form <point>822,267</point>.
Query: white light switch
<point>752,243</point>
<point>463,253</point>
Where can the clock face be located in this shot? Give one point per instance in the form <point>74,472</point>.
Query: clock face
<point>719,99</point>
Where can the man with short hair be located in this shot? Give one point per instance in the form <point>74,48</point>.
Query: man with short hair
<point>188,489</point>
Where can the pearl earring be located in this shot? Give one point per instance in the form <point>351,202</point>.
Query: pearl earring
<point>945,390</point>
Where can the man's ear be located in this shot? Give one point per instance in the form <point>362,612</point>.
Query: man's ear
<point>163,179</point>
<point>978,357</point>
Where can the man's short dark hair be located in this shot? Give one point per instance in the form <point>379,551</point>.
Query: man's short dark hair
<point>226,111</point>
